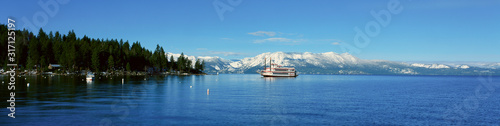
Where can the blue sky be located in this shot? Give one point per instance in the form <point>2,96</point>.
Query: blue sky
<point>422,30</point>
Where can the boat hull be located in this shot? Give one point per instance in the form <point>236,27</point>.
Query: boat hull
<point>90,77</point>
<point>279,76</point>
<point>272,74</point>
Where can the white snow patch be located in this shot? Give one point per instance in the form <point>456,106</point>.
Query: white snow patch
<point>430,66</point>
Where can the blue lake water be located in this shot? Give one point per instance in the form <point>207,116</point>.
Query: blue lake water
<point>248,99</point>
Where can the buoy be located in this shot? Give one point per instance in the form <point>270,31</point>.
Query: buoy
<point>190,86</point>
<point>122,80</point>
<point>28,84</point>
<point>208,91</point>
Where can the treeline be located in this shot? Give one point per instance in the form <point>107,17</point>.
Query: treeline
<point>36,52</point>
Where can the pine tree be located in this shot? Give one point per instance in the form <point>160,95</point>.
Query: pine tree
<point>172,63</point>
<point>181,63</point>
<point>21,48</point>
<point>197,65</point>
<point>58,48</point>
<point>95,60</point>
<point>128,67</point>
<point>111,63</point>
<point>188,66</point>
<point>43,63</point>
<point>157,59</point>
<point>163,59</point>
<point>203,65</point>
<point>3,45</point>
<point>34,53</point>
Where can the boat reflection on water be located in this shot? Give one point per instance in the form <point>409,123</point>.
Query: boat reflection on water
<point>277,78</point>
<point>89,81</point>
<point>89,84</point>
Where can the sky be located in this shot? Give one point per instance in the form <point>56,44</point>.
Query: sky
<point>396,30</point>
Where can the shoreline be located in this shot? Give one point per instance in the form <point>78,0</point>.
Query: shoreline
<point>189,74</point>
<point>106,73</point>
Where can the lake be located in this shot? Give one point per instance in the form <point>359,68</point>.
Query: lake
<point>249,99</point>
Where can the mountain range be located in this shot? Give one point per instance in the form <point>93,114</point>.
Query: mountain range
<point>345,63</point>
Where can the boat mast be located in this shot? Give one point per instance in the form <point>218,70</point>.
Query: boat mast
<point>265,63</point>
<point>270,64</point>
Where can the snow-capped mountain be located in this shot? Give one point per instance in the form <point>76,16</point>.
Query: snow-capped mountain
<point>213,64</point>
<point>334,63</point>
<point>490,65</point>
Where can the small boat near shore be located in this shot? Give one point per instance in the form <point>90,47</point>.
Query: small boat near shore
<point>90,77</point>
<point>275,70</point>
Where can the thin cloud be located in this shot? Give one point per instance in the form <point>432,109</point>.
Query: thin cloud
<point>225,53</point>
<point>263,33</point>
<point>282,40</point>
<point>292,34</point>
<point>334,41</point>
<point>201,48</point>
<point>273,40</point>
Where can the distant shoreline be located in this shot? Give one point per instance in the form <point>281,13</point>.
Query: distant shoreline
<point>105,73</point>
<point>189,74</point>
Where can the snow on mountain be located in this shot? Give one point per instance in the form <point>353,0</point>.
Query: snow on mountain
<point>292,59</point>
<point>489,65</point>
<point>322,60</point>
<point>463,66</point>
<point>334,63</point>
<point>430,66</point>
<point>213,64</point>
